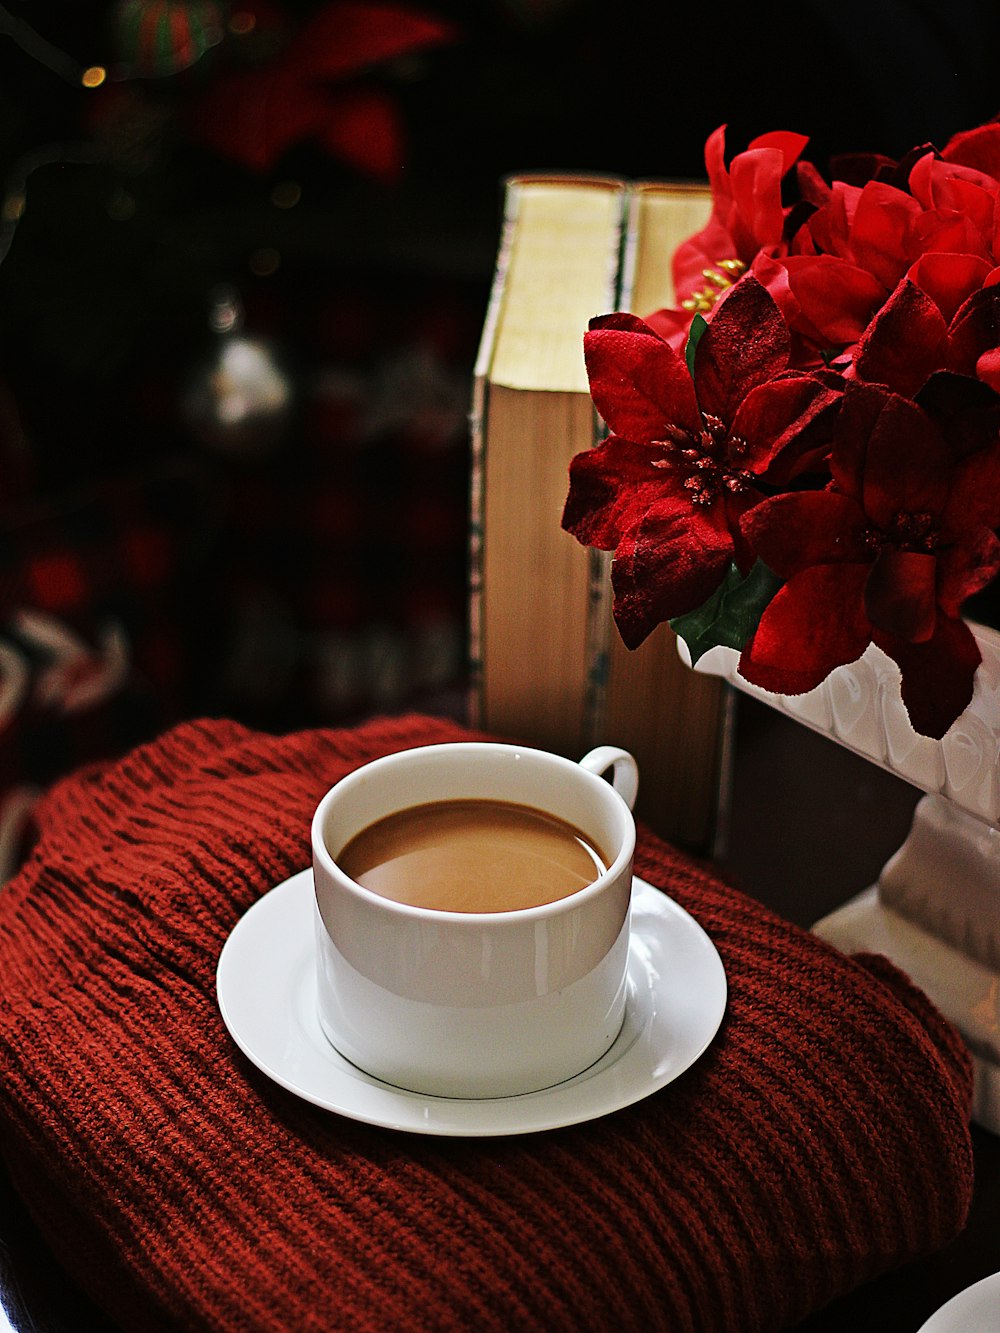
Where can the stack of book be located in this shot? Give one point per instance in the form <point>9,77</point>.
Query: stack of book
<point>548,667</point>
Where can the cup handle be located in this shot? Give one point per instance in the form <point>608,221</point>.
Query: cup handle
<point>625,778</point>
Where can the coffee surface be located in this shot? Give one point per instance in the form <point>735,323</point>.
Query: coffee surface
<point>472,856</point>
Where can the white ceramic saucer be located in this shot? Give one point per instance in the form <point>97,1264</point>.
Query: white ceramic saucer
<point>267,995</point>
<point>974,1310</point>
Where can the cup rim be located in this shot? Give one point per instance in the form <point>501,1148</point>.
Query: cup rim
<point>473,919</point>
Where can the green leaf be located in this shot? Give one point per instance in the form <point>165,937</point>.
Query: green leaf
<point>698,326</point>
<point>731,614</point>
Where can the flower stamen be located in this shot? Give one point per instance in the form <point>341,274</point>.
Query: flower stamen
<point>909,532</point>
<point>716,427</point>
<point>703,490</point>
<point>707,456</point>
<point>723,275</point>
<point>916,531</point>
<point>737,482</point>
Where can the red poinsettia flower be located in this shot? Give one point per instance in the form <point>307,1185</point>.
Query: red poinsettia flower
<point>933,220</point>
<point>945,315</point>
<point>845,259</point>
<point>311,90</point>
<point>748,217</point>
<point>959,207</point>
<point>747,211</point>
<point>886,554</point>
<point>870,228</point>
<point>687,457</point>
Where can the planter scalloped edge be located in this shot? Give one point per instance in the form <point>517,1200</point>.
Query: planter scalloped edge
<point>860,707</point>
<point>935,910</point>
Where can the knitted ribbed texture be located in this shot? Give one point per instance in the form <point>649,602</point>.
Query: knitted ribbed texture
<point>823,1137</point>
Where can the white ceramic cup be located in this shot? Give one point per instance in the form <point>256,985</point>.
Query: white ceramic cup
<point>475,1004</point>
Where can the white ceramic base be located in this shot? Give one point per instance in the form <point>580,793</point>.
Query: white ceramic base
<point>935,911</point>
<point>965,990</point>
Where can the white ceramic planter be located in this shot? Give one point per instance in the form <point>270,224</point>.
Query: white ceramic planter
<point>935,910</point>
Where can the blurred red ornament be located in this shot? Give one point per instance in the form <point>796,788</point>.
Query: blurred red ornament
<point>158,38</point>
<point>311,89</point>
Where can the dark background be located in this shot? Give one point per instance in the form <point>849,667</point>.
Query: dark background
<point>158,560</point>
<point>309,566</point>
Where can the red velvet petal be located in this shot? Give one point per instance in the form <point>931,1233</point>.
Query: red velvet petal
<point>639,385</point>
<point>781,422</point>
<point>974,201</point>
<point>837,298</point>
<point>806,342</point>
<point>975,331</point>
<point>890,455</point>
<point>949,280</point>
<point>974,499</point>
<point>988,368</point>
<point>965,410</point>
<point>790,145</point>
<point>908,466</point>
<point>905,342</point>
<point>966,569</point>
<point>880,234</point>
<point>715,163</point>
<point>938,184</point>
<point>772,275</point>
<point>901,594</point>
<point>800,529</point>
<point>704,250</point>
<point>938,675</point>
<point>811,184</point>
<point>979,148</point>
<point>945,231</point>
<point>860,168</point>
<point>745,344</point>
<point>860,409</point>
<point>737,506</point>
<point>830,225</point>
<point>815,623</point>
<point>755,181</point>
<point>611,488</point>
<point>672,325</point>
<point>671,565</point>
<point>714,241</point>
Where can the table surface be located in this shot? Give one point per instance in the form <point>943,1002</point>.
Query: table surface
<point>809,826</point>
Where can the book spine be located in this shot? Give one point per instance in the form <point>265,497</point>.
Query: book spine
<point>571,273</point>
<point>477,454</point>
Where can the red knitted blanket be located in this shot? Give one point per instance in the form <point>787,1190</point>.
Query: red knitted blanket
<point>822,1138</point>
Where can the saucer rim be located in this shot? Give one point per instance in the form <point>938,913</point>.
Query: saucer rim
<point>606,1085</point>
<point>958,1313</point>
